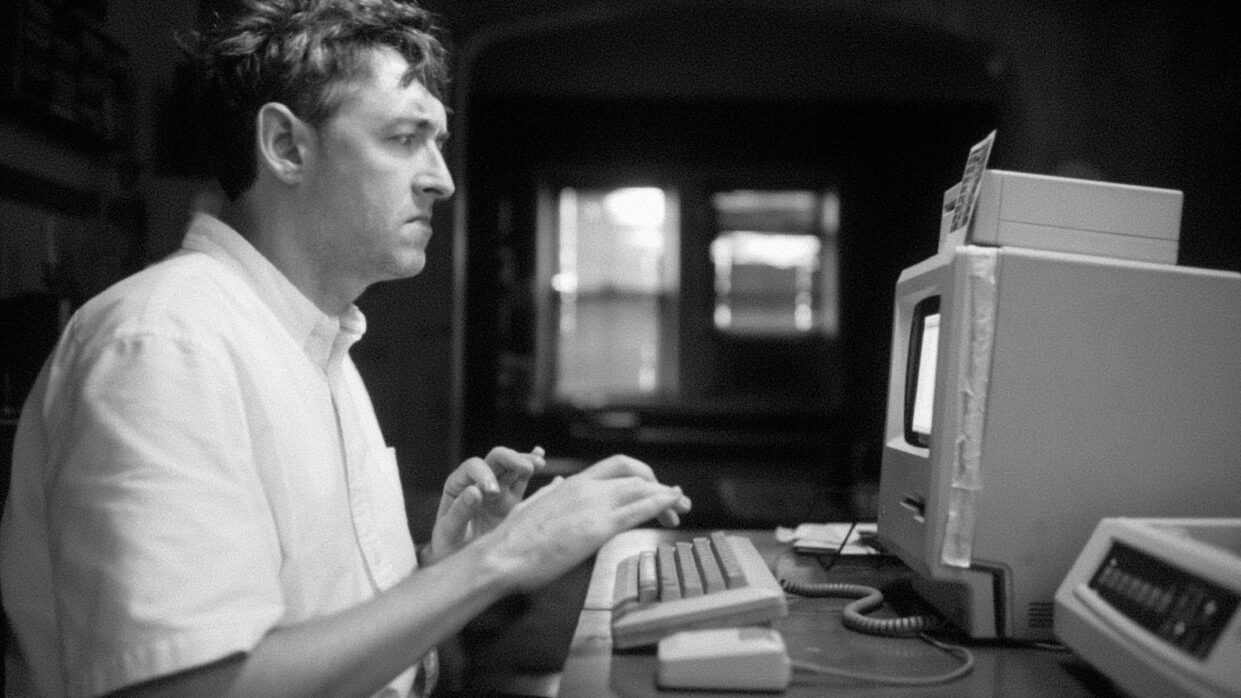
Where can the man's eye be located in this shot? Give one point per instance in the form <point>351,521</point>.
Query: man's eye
<point>406,140</point>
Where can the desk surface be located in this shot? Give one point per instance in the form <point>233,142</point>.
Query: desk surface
<point>813,632</point>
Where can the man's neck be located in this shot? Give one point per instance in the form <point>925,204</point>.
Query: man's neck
<point>276,240</point>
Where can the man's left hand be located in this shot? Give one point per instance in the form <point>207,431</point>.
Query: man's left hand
<point>479,494</point>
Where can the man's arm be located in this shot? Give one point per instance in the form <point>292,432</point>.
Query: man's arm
<point>357,651</point>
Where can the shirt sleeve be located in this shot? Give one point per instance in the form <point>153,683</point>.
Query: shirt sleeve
<point>165,555</point>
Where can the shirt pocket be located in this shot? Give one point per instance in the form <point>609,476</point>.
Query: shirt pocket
<point>382,523</point>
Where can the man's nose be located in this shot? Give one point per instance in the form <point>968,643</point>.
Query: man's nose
<point>433,178</point>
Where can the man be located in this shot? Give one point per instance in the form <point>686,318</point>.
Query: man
<point>202,503</point>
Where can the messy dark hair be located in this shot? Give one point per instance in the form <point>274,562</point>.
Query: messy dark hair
<point>300,53</point>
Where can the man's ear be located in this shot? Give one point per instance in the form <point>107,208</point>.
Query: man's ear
<point>283,142</point>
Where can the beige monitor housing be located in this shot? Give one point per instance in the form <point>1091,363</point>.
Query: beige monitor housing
<point>1034,392</point>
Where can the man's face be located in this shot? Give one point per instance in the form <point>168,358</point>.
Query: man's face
<point>377,170</point>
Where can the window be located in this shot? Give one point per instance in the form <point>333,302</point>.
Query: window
<point>615,287</point>
<point>613,316</point>
<point>775,261</point>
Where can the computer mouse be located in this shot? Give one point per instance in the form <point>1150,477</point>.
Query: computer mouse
<point>736,659</point>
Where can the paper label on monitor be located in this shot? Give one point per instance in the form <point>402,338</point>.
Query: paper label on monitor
<point>971,180</point>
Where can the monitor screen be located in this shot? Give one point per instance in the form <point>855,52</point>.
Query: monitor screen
<point>920,372</point>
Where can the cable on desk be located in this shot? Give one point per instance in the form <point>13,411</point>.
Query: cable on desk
<point>868,599</point>
<point>967,665</point>
<point>855,618</point>
<point>840,549</point>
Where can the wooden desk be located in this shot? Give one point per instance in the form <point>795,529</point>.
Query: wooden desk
<point>814,633</point>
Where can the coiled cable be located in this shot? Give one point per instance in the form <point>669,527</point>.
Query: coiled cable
<point>855,618</point>
<point>868,599</point>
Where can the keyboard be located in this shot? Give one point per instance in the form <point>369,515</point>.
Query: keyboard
<point>714,581</point>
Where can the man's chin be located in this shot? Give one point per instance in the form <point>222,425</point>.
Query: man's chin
<point>409,265</point>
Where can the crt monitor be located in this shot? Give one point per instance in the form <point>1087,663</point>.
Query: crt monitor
<point>1032,393</point>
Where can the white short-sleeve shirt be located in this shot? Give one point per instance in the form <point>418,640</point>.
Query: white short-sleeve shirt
<point>197,464</point>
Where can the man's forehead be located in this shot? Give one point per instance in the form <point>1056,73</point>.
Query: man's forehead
<point>388,67</point>
<point>386,88</point>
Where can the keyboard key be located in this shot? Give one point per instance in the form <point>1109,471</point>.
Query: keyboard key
<point>729,566</point>
<point>648,581</point>
<point>712,577</point>
<point>669,581</point>
<point>626,589</point>
<point>691,581</point>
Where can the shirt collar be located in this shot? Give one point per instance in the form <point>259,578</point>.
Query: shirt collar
<point>325,338</point>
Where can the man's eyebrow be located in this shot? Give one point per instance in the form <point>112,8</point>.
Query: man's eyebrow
<point>421,123</point>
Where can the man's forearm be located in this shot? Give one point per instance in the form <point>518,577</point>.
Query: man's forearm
<point>358,650</point>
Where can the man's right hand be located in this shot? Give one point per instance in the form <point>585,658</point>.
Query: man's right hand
<point>569,519</point>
